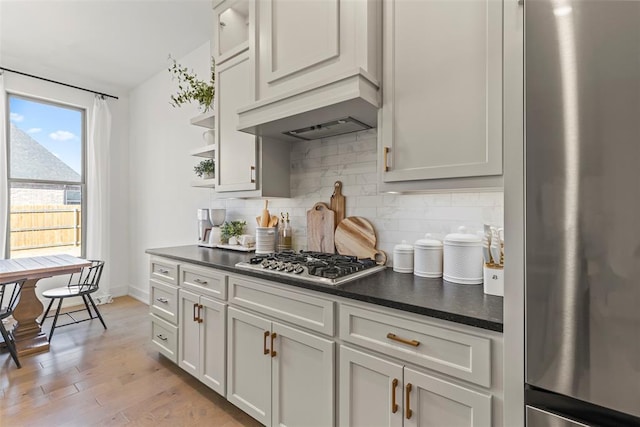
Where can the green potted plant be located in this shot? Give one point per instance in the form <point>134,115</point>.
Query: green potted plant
<point>205,169</point>
<point>190,88</point>
<point>230,230</point>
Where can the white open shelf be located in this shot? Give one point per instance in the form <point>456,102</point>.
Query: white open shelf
<point>204,183</point>
<point>206,120</point>
<point>207,151</point>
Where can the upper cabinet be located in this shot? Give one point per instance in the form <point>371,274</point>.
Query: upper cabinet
<point>246,165</point>
<point>233,21</point>
<point>441,118</point>
<point>317,61</point>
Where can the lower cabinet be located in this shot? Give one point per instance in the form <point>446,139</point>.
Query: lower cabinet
<point>281,376</point>
<point>201,344</point>
<point>377,392</point>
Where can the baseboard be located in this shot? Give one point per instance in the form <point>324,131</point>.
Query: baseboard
<point>139,294</point>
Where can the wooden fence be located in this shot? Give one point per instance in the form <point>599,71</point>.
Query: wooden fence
<point>45,226</point>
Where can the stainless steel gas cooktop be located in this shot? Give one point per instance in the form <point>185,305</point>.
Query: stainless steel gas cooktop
<point>314,267</point>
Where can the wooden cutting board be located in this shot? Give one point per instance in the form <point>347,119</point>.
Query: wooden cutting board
<point>356,236</point>
<point>338,202</point>
<point>321,224</point>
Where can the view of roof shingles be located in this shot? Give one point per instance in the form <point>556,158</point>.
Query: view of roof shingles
<point>30,160</point>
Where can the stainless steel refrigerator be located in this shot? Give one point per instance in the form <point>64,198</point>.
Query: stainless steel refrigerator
<point>582,115</point>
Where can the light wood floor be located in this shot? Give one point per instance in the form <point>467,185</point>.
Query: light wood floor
<point>114,377</point>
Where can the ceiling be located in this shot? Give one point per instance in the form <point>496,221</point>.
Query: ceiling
<point>109,44</point>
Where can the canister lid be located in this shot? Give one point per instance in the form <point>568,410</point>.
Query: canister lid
<point>428,242</point>
<point>462,237</point>
<point>403,247</point>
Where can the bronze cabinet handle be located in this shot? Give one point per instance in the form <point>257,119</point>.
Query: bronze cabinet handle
<point>162,300</point>
<point>253,173</point>
<point>394,337</point>
<point>266,334</point>
<point>394,405</point>
<point>386,157</point>
<point>408,399</point>
<point>162,337</point>
<point>200,281</point>
<point>200,307</point>
<point>163,271</point>
<point>273,337</point>
<point>195,316</point>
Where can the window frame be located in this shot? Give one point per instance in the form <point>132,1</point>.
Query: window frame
<point>83,162</point>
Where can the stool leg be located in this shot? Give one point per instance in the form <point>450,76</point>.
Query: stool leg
<point>86,304</point>
<point>10,345</point>
<point>96,310</point>
<point>55,319</point>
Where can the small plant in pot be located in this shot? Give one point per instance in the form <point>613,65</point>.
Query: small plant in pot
<point>190,88</point>
<point>230,230</point>
<point>205,169</point>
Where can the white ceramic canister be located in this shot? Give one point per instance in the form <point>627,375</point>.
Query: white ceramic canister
<point>265,240</point>
<point>403,258</point>
<point>427,260</point>
<point>463,258</point>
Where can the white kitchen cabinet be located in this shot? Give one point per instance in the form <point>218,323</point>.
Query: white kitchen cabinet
<point>232,24</point>
<point>441,117</point>
<point>375,392</point>
<point>163,307</point>
<point>246,165</point>
<point>201,345</point>
<point>370,390</point>
<point>316,61</point>
<point>277,374</point>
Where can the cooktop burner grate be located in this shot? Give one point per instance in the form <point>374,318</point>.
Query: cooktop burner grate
<point>317,267</point>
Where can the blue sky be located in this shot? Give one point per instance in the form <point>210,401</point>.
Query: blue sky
<point>58,129</point>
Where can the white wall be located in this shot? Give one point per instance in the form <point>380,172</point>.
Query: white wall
<point>115,276</point>
<point>162,203</point>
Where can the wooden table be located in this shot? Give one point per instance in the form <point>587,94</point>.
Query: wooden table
<point>28,333</point>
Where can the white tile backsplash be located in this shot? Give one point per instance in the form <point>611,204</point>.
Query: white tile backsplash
<point>316,165</point>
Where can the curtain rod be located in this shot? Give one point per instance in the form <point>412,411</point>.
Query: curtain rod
<point>59,83</point>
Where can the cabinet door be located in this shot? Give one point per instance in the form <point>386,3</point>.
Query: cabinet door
<point>371,390</point>
<point>212,344</point>
<point>434,402</point>
<point>249,364</point>
<point>189,333</point>
<point>237,151</point>
<point>442,112</point>
<point>232,25</point>
<point>303,378</point>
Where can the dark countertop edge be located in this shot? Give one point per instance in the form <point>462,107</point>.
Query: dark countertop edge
<point>430,312</point>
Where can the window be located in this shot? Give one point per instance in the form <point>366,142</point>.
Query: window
<point>46,150</point>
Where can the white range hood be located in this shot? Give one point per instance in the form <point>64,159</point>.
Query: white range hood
<point>345,104</point>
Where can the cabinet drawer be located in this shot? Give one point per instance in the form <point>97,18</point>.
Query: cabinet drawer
<point>449,351</point>
<point>316,314</point>
<point>164,337</point>
<point>164,300</point>
<point>164,271</point>
<point>204,281</point>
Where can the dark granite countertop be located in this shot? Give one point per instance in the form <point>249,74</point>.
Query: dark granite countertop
<point>466,304</point>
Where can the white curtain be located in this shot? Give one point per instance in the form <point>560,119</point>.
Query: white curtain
<point>4,189</point>
<point>97,237</point>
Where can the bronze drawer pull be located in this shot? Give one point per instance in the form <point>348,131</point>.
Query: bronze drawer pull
<point>273,337</point>
<point>162,300</point>
<point>163,271</point>
<point>200,281</point>
<point>200,307</point>
<point>266,334</point>
<point>195,316</point>
<point>394,337</point>
<point>163,338</point>
<point>408,399</point>
<point>253,174</point>
<point>394,405</point>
